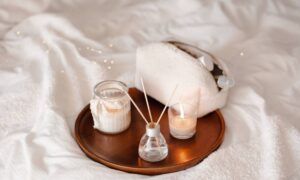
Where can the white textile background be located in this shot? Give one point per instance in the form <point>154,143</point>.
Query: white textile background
<point>53,52</point>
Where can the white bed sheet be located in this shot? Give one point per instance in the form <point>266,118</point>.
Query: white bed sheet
<point>50,60</point>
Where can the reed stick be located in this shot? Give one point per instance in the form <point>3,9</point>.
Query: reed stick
<point>138,109</point>
<point>146,98</point>
<point>167,104</point>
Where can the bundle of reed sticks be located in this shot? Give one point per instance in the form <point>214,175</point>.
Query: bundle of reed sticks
<point>153,123</point>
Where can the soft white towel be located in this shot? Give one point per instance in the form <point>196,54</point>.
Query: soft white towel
<point>163,66</point>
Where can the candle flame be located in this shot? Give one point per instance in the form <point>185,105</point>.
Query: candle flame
<point>181,111</point>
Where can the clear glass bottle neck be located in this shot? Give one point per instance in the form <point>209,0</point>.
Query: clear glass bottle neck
<point>153,130</point>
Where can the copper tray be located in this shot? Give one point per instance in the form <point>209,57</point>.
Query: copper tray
<point>120,151</point>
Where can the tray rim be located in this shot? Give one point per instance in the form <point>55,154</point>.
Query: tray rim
<point>152,170</point>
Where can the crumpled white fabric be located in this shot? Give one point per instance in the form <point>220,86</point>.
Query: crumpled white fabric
<point>50,60</point>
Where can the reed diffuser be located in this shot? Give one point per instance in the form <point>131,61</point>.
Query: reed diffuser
<point>153,146</point>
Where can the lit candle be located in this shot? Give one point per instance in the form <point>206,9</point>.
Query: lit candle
<point>182,121</point>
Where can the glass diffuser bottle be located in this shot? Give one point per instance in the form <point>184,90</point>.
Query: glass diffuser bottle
<point>153,146</point>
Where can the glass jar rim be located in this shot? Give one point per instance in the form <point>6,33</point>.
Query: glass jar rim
<point>191,106</point>
<point>177,104</point>
<point>122,85</point>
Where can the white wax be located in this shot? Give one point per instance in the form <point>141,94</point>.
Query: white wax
<point>182,126</point>
<point>111,120</point>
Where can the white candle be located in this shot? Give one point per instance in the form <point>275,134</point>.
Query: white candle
<point>183,127</point>
<point>112,120</point>
<point>110,107</point>
<point>182,124</point>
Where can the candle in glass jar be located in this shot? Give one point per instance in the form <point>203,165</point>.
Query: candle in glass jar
<point>182,121</point>
<point>114,119</point>
<point>183,126</point>
<point>110,107</point>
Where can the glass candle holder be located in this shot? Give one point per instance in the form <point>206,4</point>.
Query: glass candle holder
<point>182,120</point>
<point>110,107</point>
<point>153,146</point>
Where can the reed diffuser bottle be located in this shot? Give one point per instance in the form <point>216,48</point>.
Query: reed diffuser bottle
<point>153,146</point>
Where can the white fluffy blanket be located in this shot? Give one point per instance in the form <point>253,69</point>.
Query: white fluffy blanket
<point>53,52</point>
